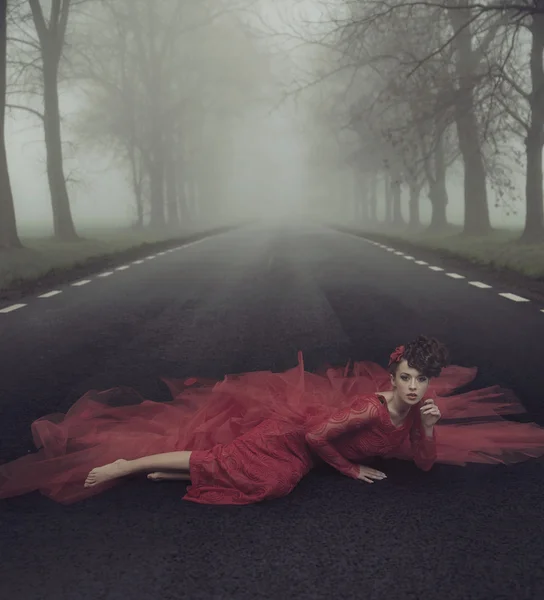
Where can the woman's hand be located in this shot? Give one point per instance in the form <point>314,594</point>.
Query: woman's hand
<point>430,414</point>
<point>367,474</point>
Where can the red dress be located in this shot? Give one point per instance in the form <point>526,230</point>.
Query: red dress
<point>242,425</point>
<point>269,460</point>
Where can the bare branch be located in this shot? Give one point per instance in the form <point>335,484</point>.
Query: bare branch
<point>27,109</point>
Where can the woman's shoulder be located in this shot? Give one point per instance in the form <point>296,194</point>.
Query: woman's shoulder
<point>374,401</point>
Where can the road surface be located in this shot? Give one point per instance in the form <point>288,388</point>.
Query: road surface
<point>248,300</point>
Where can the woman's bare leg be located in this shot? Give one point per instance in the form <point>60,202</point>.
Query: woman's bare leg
<point>169,476</point>
<point>169,461</point>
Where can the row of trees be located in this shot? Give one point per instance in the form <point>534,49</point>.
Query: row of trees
<point>425,85</point>
<point>156,83</point>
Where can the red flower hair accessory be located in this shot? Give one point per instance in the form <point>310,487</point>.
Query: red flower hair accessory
<point>397,355</point>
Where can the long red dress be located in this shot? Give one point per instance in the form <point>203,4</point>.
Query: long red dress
<point>269,460</point>
<point>223,421</point>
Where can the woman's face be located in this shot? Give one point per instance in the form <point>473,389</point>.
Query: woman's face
<point>410,384</point>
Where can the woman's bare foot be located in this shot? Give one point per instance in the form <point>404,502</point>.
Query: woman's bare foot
<point>165,476</point>
<point>107,472</point>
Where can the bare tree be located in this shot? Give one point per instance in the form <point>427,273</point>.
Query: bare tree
<point>474,31</point>
<point>155,82</point>
<point>521,84</point>
<point>8,225</point>
<point>51,36</point>
<point>411,117</point>
<point>36,46</point>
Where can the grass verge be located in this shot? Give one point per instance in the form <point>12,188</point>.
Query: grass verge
<point>44,261</point>
<point>499,251</point>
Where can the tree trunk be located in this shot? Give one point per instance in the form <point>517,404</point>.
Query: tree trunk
<point>439,200</point>
<point>184,199</point>
<point>395,201</point>
<point>362,191</point>
<point>438,193</point>
<point>157,218</point>
<point>373,199</point>
<point>388,200</point>
<point>189,196</point>
<point>534,219</point>
<point>137,187</point>
<point>173,219</point>
<point>63,224</point>
<point>9,237</point>
<point>181,199</point>
<point>475,190</point>
<point>364,207</point>
<point>156,182</point>
<point>414,219</point>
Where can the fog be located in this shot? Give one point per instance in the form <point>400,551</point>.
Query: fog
<point>249,144</point>
<point>263,172</point>
<point>264,126</point>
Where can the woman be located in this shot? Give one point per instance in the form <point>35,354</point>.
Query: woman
<point>254,436</point>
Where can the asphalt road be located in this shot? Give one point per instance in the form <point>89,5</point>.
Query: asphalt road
<point>248,300</point>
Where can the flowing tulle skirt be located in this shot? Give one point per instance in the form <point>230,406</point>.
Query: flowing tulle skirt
<point>118,423</point>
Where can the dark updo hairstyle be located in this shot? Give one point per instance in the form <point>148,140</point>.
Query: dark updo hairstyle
<point>426,355</point>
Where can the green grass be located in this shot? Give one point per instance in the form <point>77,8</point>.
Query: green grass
<point>43,255</point>
<point>499,250</point>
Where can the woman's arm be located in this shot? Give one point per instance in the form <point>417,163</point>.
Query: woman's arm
<point>423,441</point>
<point>362,412</point>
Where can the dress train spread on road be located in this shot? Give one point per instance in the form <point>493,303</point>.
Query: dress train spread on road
<point>103,426</point>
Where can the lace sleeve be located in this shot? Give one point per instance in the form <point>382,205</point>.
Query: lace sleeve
<point>423,447</point>
<point>362,412</point>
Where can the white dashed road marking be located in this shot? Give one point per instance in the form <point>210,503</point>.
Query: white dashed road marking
<point>479,284</point>
<point>11,308</point>
<point>514,297</point>
<point>52,293</point>
<point>82,282</point>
